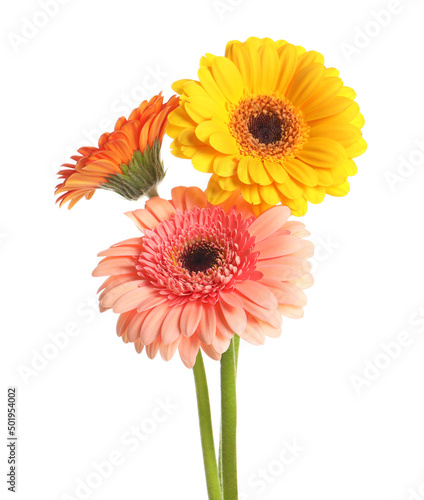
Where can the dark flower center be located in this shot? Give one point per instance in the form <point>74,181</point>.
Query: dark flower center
<point>266,128</point>
<point>199,257</point>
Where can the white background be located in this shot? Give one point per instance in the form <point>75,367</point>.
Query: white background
<point>71,79</point>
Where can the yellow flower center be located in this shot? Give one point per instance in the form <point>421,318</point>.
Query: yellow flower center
<point>267,127</point>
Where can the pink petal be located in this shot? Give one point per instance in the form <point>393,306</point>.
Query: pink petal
<point>280,244</point>
<point>134,328</point>
<point>111,296</point>
<point>287,293</point>
<point>258,312</point>
<point>269,330</point>
<point>139,346</point>
<point>190,317</point>
<point>210,351</point>
<point>152,325</point>
<point>132,299</point>
<point>258,293</point>
<point>306,281</point>
<point>143,219</point>
<point>294,312</point>
<point>253,332</point>
<point>207,326</point>
<point>188,348</point>
<point>151,301</point>
<point>269,222</point>
<point>161,209</point>
<point>195,197</point>
<point>221,324</point>
<point>170,330</point>
<point>234,316</point>
<point>178,198</point>
<point>220,343</point>
<point>167,351</point>
<point>153,348</point>
<point>114,265</point>
<point>121,251</point>
<point>123,322</point>
<point>231,299</point>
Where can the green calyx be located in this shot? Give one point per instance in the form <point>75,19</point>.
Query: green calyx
<point>140,177</point>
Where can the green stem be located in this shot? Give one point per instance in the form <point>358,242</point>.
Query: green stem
<point>152,192</point>
<point>228,451</point>
<point>206,434</point>
<point>236,355</point>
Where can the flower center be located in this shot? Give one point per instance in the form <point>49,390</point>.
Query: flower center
<point>199,257</point>
<point>267,127</point>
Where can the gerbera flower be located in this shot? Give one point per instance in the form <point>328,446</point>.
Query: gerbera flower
<point>200,273</point>
<point>127,161</point>
<point>270,120</point>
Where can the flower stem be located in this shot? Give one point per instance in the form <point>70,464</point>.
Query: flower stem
<point>228,451</point>
<point>206,434</point>
<point>152,192</point>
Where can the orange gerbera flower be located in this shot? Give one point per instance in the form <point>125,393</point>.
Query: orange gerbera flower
<point>127,160</point>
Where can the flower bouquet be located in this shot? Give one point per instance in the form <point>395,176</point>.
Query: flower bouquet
<point>204,270</point>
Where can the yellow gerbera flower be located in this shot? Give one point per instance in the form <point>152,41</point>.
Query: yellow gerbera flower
<point>268,119</point>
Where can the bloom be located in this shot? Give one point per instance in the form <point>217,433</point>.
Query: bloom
<point>126,161</point>
<point>200,273</point>
<point>269,119</point>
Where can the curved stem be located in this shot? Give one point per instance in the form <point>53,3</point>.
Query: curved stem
<point>228,451</point>
<point>206,434</point>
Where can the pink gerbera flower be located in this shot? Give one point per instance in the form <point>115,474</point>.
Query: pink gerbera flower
<point>200,273</point>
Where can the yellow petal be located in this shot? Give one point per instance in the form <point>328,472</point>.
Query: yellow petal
<point>344,133</point>
<point>269,63</point>
<point>214,192</point>
<point>238,53</point>
<point>209,84</point>
<point>287,67</point>
<point>298,206</point>
<point>258,173</point>
<point>243,170</point>
<point>340,190</point>
<point>201,108</point>
<point>326,90</point>
<point>347,92</point>
<point>203,160</point>
<point>302,172</point>
<point>276,171</point>
<point>207,128</point>
<point>357,149</point>
<point>180,118</point>
<point>305,83</point>
<point>350,167</point>
<point>308,58</point>
<point>290,189</point>
<point>330,176</point>
<point>270,194</point>
<point>224,143</point>
<point>229,183</point>
<point>314,194</point>
<point>347,115</point>
<point>251,46</point>
<point>224,165</point>
<point>178,86</point>
<point>330,108</point>
<point>173,130</point>
<point>250,193</point>
<point>323,152</point>
<point>228,78</point>
<point>188,138</point>
<point>358,121</point>
<point>177,151</point>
